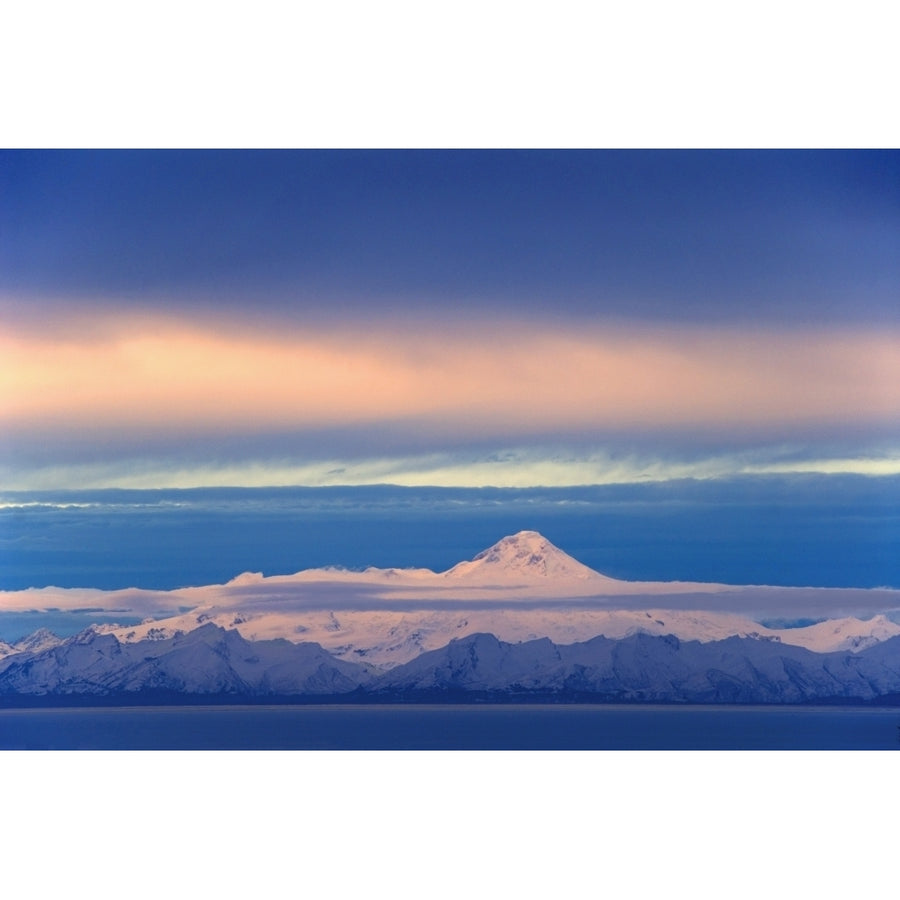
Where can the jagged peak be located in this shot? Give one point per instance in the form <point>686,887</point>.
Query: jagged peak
<point>38,640</point>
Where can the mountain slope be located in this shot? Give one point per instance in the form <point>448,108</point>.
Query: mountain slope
<point>520,589</point>
<point>523,557</point>
<point>208,660</point>
<point>388,637</point>
<point>639,668</point>
<point>652,669</point>
<point>42,639</point>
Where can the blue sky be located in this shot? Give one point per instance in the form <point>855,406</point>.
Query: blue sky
<point>446,317</point>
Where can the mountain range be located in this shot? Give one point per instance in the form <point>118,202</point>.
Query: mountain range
<point>521,619</point>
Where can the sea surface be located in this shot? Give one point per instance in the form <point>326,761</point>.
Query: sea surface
<point>451,727</point>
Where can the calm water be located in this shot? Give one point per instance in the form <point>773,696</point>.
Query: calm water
<point>453,728</point>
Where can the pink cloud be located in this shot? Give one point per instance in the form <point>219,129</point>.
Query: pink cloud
<point>501,379</point>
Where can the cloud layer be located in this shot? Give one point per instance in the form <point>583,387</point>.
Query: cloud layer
<point>445,397</point>
<point>445,317</point>
<point>500,379</point>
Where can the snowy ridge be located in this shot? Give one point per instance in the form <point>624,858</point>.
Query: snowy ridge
<point>640,668</point>
<point>651,669</point>
<point>520,589</point>
<point>208,660</point>
<point>391,637</point>
<point>845,634</point>
<point>38,640</point>
<point>41,639</point>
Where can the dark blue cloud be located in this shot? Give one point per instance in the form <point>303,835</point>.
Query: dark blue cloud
<point>793,236</point>
<point>30,448</point>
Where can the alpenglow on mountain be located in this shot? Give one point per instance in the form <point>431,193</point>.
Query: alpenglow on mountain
<point>525,556</point>
<point>521,618</point>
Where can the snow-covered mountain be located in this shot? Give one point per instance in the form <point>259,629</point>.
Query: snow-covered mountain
<point>41,639</point>
<point>38,640</point>
<point>208,660</point>
<point>650,669</point>
<point>523,558</point>
<point>842,634</point>
<point>214,661</point>
<point>391,637</point>
<point>519,590</point>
